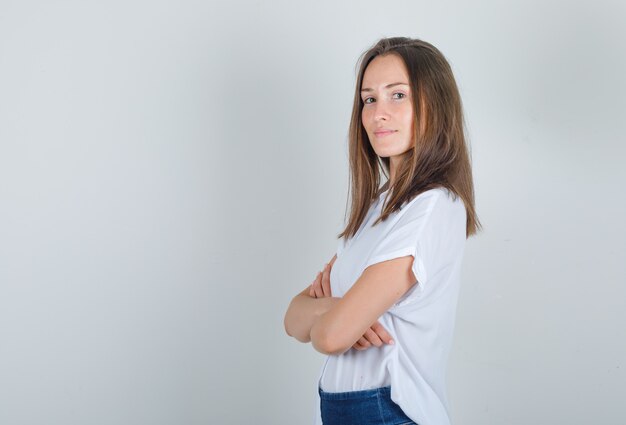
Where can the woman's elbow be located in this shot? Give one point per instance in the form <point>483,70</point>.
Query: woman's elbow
<point>286,323</point>
<point>293,332</point>
<point>287,326</point>
<point>327,343</point>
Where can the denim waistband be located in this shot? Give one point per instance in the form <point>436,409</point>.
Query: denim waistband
<point>353,395</point>
<point>363,407</point>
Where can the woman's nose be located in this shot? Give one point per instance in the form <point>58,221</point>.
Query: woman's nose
<point>381,112</point>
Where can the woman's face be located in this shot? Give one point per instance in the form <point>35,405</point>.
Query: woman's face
<point>387,106</point>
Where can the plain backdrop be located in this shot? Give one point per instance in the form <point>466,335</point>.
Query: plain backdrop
<point>172,173</point>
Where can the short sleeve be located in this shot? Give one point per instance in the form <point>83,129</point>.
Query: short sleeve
<point>422,229</point>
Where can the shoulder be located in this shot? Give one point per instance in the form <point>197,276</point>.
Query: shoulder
<point>448,200</point>
<point>435,202</point>
<point>439,193</point>
<point>438,210</point>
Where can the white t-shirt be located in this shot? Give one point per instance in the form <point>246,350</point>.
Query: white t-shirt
<point>431,227</point>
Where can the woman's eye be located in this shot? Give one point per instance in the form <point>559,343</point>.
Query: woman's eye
<point>399,96</point>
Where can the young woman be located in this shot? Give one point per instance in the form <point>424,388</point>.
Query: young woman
<point>383,308</point>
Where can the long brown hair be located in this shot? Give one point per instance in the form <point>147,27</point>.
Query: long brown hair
<point>440,155</point>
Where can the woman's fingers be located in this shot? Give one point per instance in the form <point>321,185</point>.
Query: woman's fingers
<point>326,280</point>
<point>321,285</point>
<point>382,333</point>
<point>364,342</point>
<point>373,338</point>
<point>317,286</point>
<point>358,346</point>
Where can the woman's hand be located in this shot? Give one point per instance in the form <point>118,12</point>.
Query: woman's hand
<point>321,285</point>
<point>376,335</point>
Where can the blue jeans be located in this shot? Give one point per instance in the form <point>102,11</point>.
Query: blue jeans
<point>365,407</point>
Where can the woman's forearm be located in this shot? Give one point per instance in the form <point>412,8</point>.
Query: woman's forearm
<point>302,313</point>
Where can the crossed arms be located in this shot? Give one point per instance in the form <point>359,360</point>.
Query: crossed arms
<point>334,325</point>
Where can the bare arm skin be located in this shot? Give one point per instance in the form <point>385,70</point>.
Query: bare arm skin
<point>302,313</point>
<point>308,306</point>
<point>379,287</point>
<point>375,336</point>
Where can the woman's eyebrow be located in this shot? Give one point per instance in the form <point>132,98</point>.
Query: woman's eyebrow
<point>387,86</point>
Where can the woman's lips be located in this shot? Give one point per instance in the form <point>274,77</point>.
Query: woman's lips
<point>383,133</point>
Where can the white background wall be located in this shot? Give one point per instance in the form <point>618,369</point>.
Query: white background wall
<point>172,173</point>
